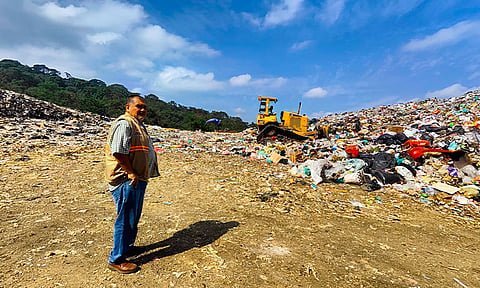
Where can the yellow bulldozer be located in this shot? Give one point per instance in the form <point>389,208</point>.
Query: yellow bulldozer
<point>292,125</point>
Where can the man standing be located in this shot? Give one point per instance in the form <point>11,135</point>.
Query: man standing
<point>130,162</point>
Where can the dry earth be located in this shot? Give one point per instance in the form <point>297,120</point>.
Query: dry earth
<point>222,221</point>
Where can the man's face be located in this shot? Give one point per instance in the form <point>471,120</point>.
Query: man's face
<point>137,109</point>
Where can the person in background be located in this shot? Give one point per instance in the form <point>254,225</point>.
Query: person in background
<point>130,162</point>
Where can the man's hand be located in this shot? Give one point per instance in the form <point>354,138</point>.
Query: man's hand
<point>124,162</point>
<point>134,178</point>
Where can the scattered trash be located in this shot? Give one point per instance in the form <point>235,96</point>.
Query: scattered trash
<point>460,283</point>
<point>357,204</point>
<point>428,150</point>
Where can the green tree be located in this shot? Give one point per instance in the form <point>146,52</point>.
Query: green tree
<point>97,97</point>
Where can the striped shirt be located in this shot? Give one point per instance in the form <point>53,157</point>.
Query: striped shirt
<point>121,137</point>
<point>120,143</point>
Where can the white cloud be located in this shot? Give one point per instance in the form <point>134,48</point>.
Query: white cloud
<point>155,41</point>
<point>99,36</point>
<point>182,79</point>
<point>62,14</point>
<point>301,45</point>
<point>331,11</point>
<point>361,12</point>
<point>103,15</point>
<point>450,91</point>
<point>283,12</point>
<point>240,80</point>
<point>315,93</point>
<point>256,21</point>
<point>103,38</point>
<point>445,37</point>
<point>62,59</point>
<point>399,7</point>
<point>135,66</point>
<point>261,83</point>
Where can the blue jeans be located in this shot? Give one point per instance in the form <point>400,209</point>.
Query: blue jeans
<point>129,201</point>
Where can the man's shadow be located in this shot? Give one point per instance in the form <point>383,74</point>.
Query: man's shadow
<point>196,235</point>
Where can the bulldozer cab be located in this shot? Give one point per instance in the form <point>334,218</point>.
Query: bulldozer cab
<point>265,112</point>
<point>266,105</point>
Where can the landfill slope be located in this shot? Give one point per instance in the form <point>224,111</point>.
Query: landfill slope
<point>216,217</point>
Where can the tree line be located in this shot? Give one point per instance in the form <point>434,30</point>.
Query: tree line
<point>97,97</point>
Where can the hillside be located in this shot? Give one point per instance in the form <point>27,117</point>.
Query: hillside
<point>95,96</point>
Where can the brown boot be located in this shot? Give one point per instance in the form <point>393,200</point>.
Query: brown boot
<point>124,268</point>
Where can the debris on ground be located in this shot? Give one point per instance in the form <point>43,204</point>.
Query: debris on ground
<point>392,184</point>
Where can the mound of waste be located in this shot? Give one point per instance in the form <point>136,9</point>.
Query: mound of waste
<point>26,122</point>
<point>428,149</point>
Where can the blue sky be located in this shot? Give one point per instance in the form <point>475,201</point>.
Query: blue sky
<point>331,55</point>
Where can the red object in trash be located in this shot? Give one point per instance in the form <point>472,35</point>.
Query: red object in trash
<point>353,150</point>
<point>418,152</point>
<point>416,143</point>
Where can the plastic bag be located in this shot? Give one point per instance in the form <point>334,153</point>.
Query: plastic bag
<point>405,172</point>
<point>383,161</point>
<point>316,168</point>
<point>334,172</point>
<point>353,178</point>
<point>354,165</point>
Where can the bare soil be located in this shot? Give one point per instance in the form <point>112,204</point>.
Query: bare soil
<point>215,220</point>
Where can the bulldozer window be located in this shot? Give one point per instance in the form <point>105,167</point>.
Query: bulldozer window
<point>262,106</point>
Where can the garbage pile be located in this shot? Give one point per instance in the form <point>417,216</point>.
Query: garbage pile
<point>427,148</point>
<point>23,106</point>
<point>27,122</point>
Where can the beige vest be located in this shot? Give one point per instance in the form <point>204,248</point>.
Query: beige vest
<point>138,154</point>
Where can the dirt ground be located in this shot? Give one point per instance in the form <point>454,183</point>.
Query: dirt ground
<point>214,220</point>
